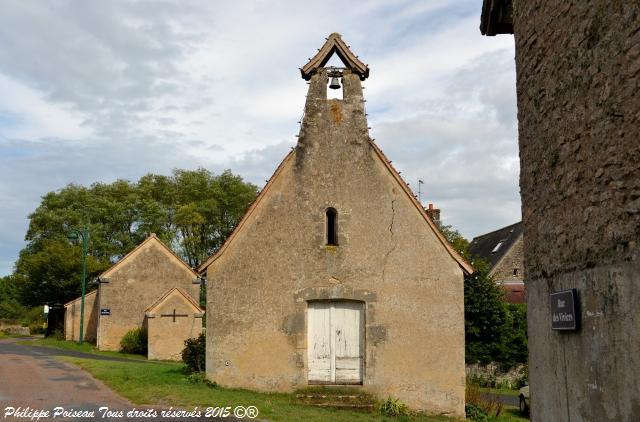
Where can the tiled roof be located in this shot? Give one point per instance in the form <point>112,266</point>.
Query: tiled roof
<point>335,45</point>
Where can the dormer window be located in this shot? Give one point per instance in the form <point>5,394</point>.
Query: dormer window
<point>332,227</point>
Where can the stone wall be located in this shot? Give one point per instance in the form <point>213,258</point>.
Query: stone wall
<point>514,259</point>
<point>387,257</point>
<point>166,333</point>
<point>72,318</point>
<point>578,77</point>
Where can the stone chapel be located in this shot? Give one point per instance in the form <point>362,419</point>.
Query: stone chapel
<point>336,275</point>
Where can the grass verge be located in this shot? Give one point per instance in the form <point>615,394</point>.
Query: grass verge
<point>167,385</point>
<point>511,414</point>
<point>4,335</point>
<point>76,347</point>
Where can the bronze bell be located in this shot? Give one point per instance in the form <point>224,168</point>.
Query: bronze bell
<point>335,83</point>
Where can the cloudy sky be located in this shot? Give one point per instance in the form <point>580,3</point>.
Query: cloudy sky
<point>95,91</point>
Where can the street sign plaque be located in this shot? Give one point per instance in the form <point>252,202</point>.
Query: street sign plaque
<point>105,311</point>
<point>565,310</point>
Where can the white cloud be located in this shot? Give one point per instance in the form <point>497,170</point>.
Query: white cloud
<point>101,90</point>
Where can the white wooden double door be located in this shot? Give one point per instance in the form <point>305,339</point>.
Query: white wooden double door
<point>335,342</point>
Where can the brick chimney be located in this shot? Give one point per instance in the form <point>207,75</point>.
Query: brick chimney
<point>434,214</point>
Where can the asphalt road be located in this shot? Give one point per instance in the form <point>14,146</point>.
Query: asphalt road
<point>32,381</point>
<point>31,378</point>
<point>509,400</point>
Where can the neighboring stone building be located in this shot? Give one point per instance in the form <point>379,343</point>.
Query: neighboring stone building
<point>127,290</point>
<point>72,318</point>
<point>171,320</point>
<point>502,250</point>
<point>335,275</point>
<point>578,77</point>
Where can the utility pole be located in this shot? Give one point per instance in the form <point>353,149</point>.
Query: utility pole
<point>84,235</point>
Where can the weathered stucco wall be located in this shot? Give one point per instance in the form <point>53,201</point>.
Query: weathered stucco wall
<point>72,319</point>
<point>166,336</point>
<point>136,284</point>
<point>387,257</point>
<point>578,73</point>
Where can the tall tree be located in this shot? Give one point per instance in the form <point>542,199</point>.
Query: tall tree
<point>193,211</point>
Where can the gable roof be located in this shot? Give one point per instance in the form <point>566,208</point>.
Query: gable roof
<point>334,44</point>
<point>93,292</point>
<point>174,290</point>
<point>152,239</point>
<point>492,246</point>
<point>464,265</point>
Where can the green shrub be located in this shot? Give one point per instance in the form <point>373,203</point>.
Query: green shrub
<point>488,404</point>
<point>393,407</point>
<point>193,354</point>
<point>474,413</point>
<point>58,334</point>
<point>201,378</point>
<point>36,328</point>
<point>135,342</point>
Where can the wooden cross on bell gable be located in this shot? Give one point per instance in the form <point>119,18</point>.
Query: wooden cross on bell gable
<point>174,315</point>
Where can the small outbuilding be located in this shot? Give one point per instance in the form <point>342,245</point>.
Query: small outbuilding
<point>131,288</point>
<point>172,319</point>
<point>72,318</point>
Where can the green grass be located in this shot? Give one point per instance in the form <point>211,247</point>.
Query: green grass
<point>72,345</point>
<point>511,414</point>
<point>5,335</point>
<point>167,385</point>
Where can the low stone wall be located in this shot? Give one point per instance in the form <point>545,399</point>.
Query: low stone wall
<point>16,330</point>
<point>492,375</point>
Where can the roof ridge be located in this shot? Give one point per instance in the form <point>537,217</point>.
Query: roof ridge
<point>468,268</point>
<point>152,236</point>
<point>203,266</point>
<point>80,297</point>
<point>168,293</point>
<point>495,231</point>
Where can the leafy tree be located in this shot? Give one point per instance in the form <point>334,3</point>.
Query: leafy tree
<point>485,315</point>
<point>10,306</point>
<point>513,348</point>
<point>52,273</point>
<point>457,241</point>
<point>494,330</point>
<point>193,211</point>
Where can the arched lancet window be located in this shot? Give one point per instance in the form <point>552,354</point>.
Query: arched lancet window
<point>332,226</point>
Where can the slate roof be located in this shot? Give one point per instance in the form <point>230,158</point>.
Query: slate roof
<point>486,246</point>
